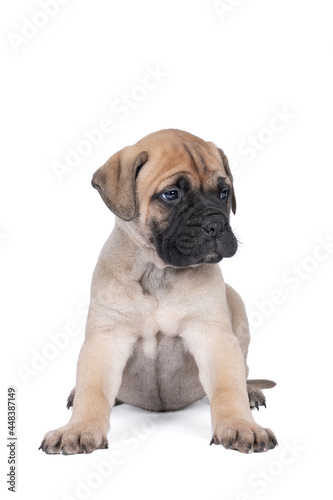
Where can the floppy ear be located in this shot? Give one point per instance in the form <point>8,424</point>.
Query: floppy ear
<point>229,174</point>
<point>115,181</point>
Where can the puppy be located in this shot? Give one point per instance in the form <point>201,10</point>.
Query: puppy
<point>163,329</point>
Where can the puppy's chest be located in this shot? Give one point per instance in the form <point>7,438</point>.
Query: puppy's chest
<point>155,282</point>
<point>168,314</point>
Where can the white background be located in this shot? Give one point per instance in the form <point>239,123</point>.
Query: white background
<point>225,76</point>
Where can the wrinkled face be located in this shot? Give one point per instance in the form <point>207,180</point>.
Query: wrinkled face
<point>173,192</point>
<point>185,198</point>
<point>191,225</point>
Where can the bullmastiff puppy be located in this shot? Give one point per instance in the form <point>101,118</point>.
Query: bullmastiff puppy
<point>163,329</point>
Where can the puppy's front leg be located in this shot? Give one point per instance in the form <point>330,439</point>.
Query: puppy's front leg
<point>101,363</point>
<point>222,373</point>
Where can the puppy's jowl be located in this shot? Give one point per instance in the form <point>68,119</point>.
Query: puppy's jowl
<point>163,329</point>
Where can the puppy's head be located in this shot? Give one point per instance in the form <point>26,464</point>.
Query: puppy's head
<point>176,190</point>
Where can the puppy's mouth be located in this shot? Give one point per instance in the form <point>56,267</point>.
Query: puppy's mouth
<point>211,258</point>
<point>211,253</point>
<point>184,251</point>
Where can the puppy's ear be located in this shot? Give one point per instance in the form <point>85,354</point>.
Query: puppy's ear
<point>115,181</point>
<point>229,174</point>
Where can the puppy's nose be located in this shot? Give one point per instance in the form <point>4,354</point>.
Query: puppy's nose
<point>213,228</point>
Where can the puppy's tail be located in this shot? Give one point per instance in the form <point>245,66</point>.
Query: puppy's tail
<point>261,383</point>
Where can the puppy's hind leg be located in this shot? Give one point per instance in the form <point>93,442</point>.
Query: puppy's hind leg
<point>70,399</point>
<point>256,396</point>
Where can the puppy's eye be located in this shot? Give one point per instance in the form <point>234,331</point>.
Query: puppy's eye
<point>224,194</point>
<point>170,195</point>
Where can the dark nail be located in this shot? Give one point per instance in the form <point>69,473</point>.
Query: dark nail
<point>262,446</point>
<point>273,443</point>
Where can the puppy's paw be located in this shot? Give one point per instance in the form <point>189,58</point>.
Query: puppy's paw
<point>256,397</point>
<point>244,436</point>
<point>74,438</point>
